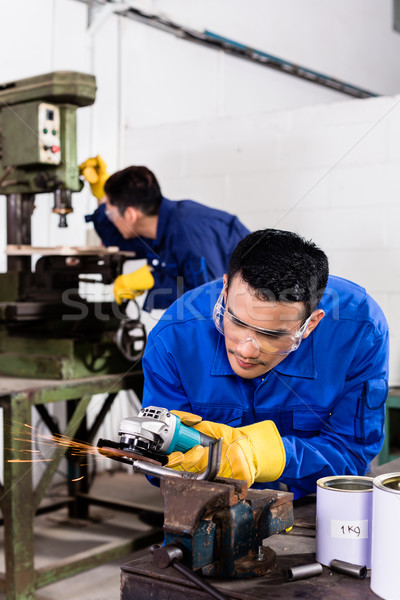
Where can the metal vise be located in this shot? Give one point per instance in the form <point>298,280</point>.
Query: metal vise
<point>220,525</point>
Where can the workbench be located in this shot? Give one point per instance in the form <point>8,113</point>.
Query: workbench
<point>20,500</point>
<point>141,580</point>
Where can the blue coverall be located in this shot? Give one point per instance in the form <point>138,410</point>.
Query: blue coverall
<point>193,246</point>
<point>327,398</point>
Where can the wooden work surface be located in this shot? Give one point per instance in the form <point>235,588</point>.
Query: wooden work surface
<point>141,580</point>
<point>26,250</point>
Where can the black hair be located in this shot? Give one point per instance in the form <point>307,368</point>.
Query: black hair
<point>281,266</point>
<point>134,186</point>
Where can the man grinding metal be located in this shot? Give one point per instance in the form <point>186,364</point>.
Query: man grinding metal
<point>287,364</point>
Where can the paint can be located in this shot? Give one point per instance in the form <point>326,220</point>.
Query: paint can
<point>385,536</point>
<point>344,519</point>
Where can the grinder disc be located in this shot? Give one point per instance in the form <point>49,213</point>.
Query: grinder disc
<point>111,450</point>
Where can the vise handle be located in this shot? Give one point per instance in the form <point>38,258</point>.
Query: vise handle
<point>171,556</point>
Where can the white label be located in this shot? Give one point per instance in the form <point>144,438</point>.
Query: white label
<point>349,529</point>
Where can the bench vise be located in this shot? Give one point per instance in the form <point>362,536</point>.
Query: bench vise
<point>220,525</point>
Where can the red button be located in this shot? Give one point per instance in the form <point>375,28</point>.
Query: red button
<point>55,149</point>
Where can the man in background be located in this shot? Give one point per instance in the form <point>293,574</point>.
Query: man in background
<point>185,243</point>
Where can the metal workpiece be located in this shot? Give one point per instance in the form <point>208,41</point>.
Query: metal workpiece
<point>359,571</point>
<point>303,571</point>
<point>210,473</point>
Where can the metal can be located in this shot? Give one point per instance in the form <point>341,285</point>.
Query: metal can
<point>385,536</point>
<point>344,519</point>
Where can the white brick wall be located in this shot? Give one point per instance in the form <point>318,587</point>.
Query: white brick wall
<point>328,172</point>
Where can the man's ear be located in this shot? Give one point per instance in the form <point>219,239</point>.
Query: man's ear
<point>316,318</point>
<point>131,215</point>
<point>225,282</point>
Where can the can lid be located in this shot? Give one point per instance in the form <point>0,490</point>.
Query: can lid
<point>389,482</point>
<point>346,483</point>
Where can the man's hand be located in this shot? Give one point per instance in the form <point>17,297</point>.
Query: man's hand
<point>251,453</point>
<point>94,170</point>
<point>132,285</point>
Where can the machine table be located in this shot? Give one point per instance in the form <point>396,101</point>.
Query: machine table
<point>20,501</point>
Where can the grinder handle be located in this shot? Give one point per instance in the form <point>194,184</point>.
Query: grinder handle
<point>186,437</point>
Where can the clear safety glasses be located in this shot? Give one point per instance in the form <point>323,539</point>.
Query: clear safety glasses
<point>112,214</point>
<point>268,341</point>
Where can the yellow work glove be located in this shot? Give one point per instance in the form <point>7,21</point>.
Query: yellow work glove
<point>251,453</point>
<point>132,285</point>
<point>94,171</point>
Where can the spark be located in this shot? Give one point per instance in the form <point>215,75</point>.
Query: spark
<point>19,460</point>
<point>78,479</point>
<point>72,446</point>
<point>21,450</point>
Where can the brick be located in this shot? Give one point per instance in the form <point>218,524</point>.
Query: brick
<point>210,191</point>
<point>378,270</point>
<point>365,185</point>
<point>279,188</point>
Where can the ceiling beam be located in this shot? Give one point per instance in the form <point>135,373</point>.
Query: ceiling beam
<point>217,42</point>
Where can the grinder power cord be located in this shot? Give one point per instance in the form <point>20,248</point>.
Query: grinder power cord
<point>131,335</point>
<point>251,453</point>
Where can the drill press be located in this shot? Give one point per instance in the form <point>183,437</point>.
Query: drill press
<point>47,330</point>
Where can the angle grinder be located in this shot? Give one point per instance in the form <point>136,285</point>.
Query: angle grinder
<point>150,436</point>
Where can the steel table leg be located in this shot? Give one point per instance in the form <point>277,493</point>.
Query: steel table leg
<point>17,504</point>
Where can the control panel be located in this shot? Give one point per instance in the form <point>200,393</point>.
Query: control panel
<point>49,134</point>
<point>31,134</point>
<point>38,146</point>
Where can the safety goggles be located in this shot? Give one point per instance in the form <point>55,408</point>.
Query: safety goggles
<point>112,214</point>
<point>267,341</point>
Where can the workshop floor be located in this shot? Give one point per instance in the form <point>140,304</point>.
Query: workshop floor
<point>57,537</point>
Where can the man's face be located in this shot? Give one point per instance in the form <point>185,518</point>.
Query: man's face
<point>124,223</point>
<point>244,354</point>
